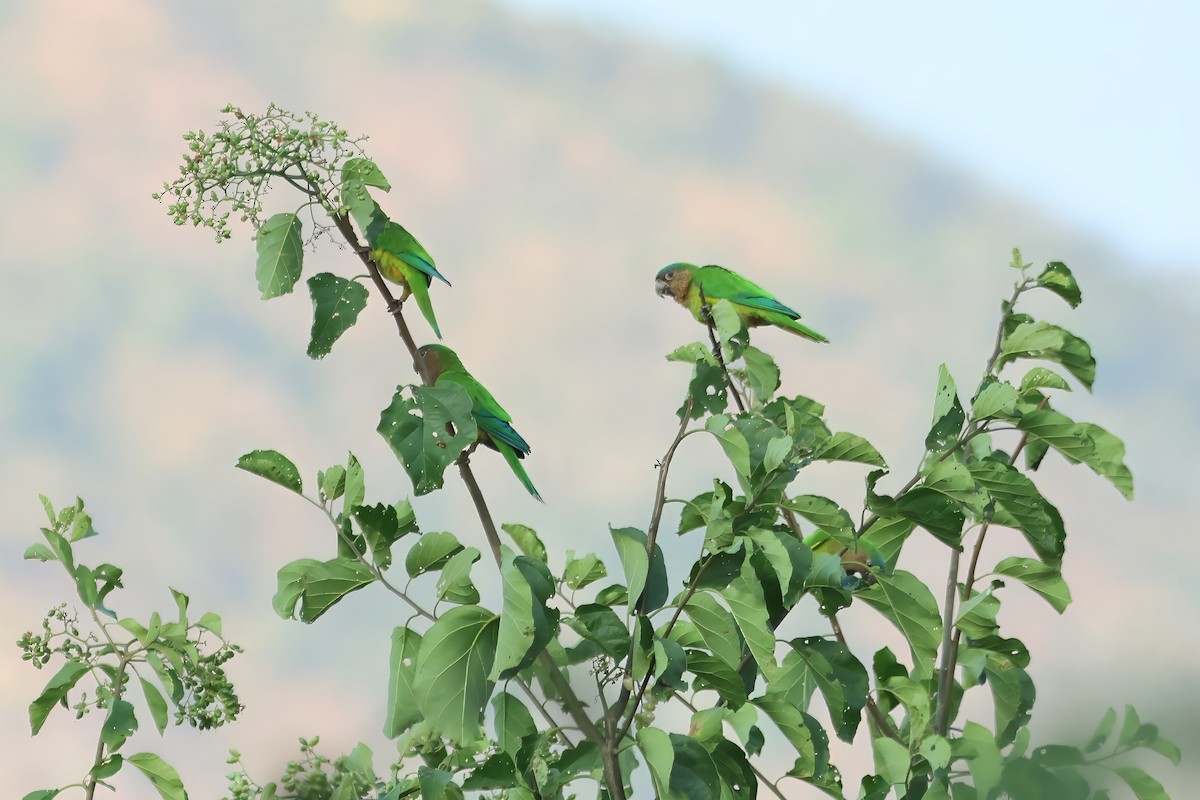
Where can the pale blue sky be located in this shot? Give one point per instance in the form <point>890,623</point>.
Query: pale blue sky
<point>1090,108</point>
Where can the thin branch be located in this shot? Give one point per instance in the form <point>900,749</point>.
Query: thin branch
<point>949,646</point>
<point>481,508</point>
<point>706,312</point>
<point>660,499</point>
<point>361,557</point>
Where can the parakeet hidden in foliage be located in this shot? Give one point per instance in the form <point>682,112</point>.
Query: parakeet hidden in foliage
<point>402,259</point>
<point>696,287</point>
<point>495,425</point>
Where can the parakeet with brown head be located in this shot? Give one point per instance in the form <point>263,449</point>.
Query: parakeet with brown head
<point>495,425</point>
<point>696,288</point>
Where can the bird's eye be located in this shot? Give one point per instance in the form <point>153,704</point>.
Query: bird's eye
<point>669,275</point>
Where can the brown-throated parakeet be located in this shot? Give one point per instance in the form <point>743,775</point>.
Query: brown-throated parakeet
<point>495,425</point>
<point>402,259</point>
<point>696,287</point>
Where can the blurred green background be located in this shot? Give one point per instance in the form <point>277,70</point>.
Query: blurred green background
<point>551,165</point>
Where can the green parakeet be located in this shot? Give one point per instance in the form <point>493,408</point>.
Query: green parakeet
<point>495,425</point>
<point>402,259</point>
<point>695,287</point>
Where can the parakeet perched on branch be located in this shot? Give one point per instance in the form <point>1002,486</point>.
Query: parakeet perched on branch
<point>495,425</point>
<point>402,259</point>
<point>696,287</point>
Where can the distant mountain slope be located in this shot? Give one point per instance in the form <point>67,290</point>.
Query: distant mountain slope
<point>551,171</point>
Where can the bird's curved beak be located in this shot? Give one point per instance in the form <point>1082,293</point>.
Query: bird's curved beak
<point>661,287</point>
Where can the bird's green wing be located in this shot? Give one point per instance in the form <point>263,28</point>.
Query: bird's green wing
<point>754,302</point>
<point>493,420</point>
<point>719,283</point>
<point>399,242</point>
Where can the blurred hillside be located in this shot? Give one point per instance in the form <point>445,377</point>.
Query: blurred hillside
<point>551,172</point>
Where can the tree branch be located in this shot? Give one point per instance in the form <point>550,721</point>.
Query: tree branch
<point>706,312</point>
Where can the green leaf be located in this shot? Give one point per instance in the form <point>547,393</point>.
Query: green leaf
<point>909,605</point>
<point>382,526</point>
<point>1047,581</point>
<point>737,776</point>
<point>1057,755</point>
<point>1103,731</point>
<point>948,416</point>
<point>513,722</point>
<point>1014,694</point>
<point>43,794</point>
<point>762,374</point>
<point>732,441</point>
<point>693,773</point>
<point>357,174</point>
<point>746,601</point>
<point>982,755</point>
<point>108,767</point>
<point>641,574</point>
<point>455,584</point>
<point>55,692</point>
<point>421,442</point>
<point>1143,786</point>
<point>826,515</point>
<point>659,753</point>
<point>996,398</point>
<point>317,585</point>
<point>431,552</point>
<point>1024,506</point>
<point>280,255</point>
<point>337,303</point>
<point>584,570</point>
<point>332,482</point>
<point>526,540</point>
<point>977,616</point>
<point>716,674</point>
<point>953,479</point>
<point>600,624</point>
<point>892,760</point>
<point>273,466</point>
<point>935,750</point>
<point>453,664</point>
<point>1041,340</point>
<point>355,485</point>
<point>402,712</point>
<point>815,663</point>
<point>525,624</point>
<point>940,515</point>
<point>848,447</point>
<point>157,704</point>
<point>706,390</point>
<point>716,627</point>
<point>669,663</point>
<point>1058,278</point>
<point>498,772</point>
<point>162,776</point>
<point>887,537</point>
<point>789,559</point>
<point>691,353</point>
<point>436,784</point>
<point>119,724</point>
<point>1082,442</point>
<point>801,730</point>
<point>731,329</point>
<point>1042,378</point>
